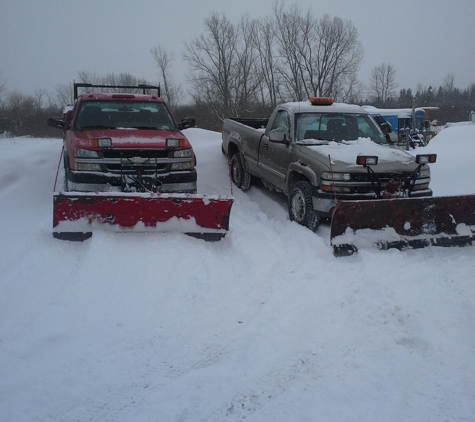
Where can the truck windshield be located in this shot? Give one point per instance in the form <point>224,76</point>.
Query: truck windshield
<point>337,127</point>
<point>124,115</point>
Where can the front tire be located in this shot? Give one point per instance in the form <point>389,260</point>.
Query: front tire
<point>240,176</point>
<point>301,206</point>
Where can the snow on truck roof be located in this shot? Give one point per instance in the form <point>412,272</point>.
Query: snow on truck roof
<point>308,107</point>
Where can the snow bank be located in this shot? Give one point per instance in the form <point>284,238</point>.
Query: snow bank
<point>454,171</point>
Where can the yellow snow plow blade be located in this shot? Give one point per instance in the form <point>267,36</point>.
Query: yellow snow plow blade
<point>403,223</point>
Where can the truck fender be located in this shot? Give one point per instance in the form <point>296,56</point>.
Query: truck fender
<point>234,147</point>
<point>298,171</point>
<point>233,144</point>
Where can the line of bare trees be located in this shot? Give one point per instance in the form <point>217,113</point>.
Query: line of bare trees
<point>247,68</point>
<point>454,104</point>
<point>258,63</point>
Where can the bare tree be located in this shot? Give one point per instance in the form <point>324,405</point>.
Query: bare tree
<point>263,41</point>
<point>87,77</point>
<point>337,58</point>
<point>223,67</point>
<point>20,111</point>
<point>164,61</point>
<point>353,93</point>
<point>383,84</point>
<point>292,50</point>
<point>3,86</point>
<point>449,86</point>
<point>65,94</point>
<point>212,58</point>
<point>40,95</point>
<point>449,82</point>
<point>318,57</point>
<point>246,79</point>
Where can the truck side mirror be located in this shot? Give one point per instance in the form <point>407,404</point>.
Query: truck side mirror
<point>57,123</point>
<point>67,117</point>
<point>186,123</point>
<point>392,138</point>
<point>385,127</point>
<point>278,137</point>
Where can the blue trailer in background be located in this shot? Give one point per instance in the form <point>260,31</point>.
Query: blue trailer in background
<point>400,118</point>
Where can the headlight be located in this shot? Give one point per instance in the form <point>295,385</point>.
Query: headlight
<point>182,166</point>
<point>183,153</point>
<point>328,187</point>
<point>101,143</point>
<point>88,167</point>
<point>86,153</point>
<point>427,158</point>
<point>336,176</point>
<point>367,160</point>
<point>175,143</point>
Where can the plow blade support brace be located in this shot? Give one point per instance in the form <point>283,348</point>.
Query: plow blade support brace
<point>77,215</point>
<point>403,223</point>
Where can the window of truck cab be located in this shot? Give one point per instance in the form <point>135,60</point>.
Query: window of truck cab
<point>281,123</point>
<point>112,114</point>
<point>337,127</point>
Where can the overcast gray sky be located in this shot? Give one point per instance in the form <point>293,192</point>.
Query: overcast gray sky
<point>45,43</point>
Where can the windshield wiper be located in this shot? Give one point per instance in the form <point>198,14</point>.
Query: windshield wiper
<point>96,127</point>
<point>145,127</point>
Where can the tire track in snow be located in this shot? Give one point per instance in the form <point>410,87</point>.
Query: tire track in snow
<point>252,389</point>
<point>155,361</point>
<point>151,378</point>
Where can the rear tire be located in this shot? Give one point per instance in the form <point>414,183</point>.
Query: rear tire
<point>240,176</point>
<point>301,206</point>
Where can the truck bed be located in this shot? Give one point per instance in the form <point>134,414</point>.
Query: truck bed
<point>256,123</point>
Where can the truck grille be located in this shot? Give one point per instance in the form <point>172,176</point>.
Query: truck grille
<point>384,178</point>
<point>129,161</point>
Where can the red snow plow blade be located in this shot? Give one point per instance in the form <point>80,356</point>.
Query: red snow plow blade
<point>403,223</point>
<point>76,215</point>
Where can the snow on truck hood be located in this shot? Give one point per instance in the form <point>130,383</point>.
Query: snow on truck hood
<point>347,151</point>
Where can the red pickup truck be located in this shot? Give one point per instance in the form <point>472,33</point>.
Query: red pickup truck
<point>128,167</point>
<point>125,142</point>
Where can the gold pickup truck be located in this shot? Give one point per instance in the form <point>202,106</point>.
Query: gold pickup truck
<point>318,153</point>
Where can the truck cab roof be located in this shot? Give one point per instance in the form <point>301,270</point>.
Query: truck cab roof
<point>308,107</point>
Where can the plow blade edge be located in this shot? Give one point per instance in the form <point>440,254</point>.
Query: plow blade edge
<point>77,215</point>
<point>403,223</point>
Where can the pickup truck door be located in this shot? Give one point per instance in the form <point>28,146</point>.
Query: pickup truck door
<point>274,157</point>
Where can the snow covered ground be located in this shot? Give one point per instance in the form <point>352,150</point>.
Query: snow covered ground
<point>265,325</point>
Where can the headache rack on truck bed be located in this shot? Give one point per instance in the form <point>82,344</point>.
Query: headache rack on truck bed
<point>140,88</point>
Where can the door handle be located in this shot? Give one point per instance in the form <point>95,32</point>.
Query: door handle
<point>266,146</point>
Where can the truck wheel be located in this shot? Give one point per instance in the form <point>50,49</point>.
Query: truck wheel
<point>301,206</point>
<point>240,176</point>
